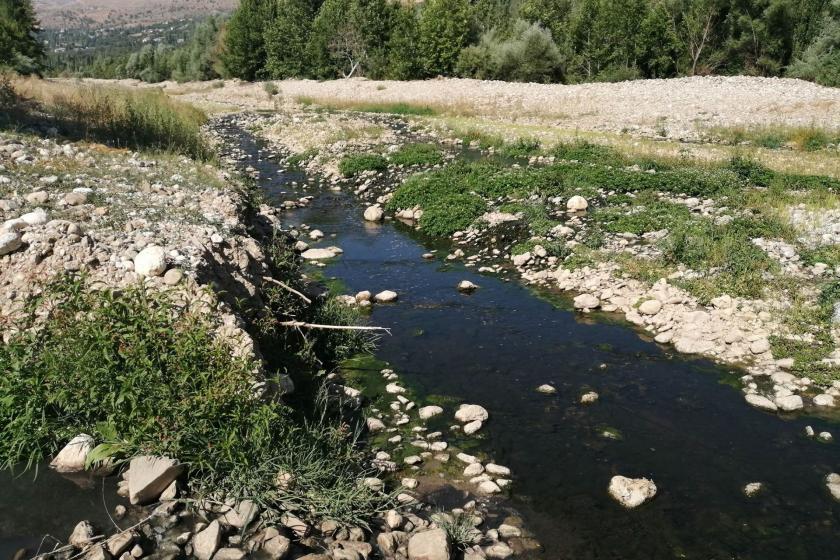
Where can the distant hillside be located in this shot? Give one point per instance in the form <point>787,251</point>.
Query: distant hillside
<point>95,13</point>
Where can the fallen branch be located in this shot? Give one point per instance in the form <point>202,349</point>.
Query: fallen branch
<point>287,287</point>
<point>301,324</point>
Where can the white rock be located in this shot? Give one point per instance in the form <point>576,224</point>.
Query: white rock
<point>466,286</point>
<point>498,551</point>
<point>824,400</point>
<point>586,301</point>
<point>374,214</point>
<point>468,459</point>
<point>589,398</point>
<point>760,401</point>
<point>149,476</point>
<point>488,487</point>
<point>386,296</point>
<point>752,489</point>
<point>546,389</point>
<point>432,544</point>
<point>473,469</point>
<point>760,346</point>
<point>151,261</point>
<point>73,456</point>
<point>316,234</point>
<point>10,242</point>
<point>790,403</point>
<point>470,413</point>
<point>631,492</point>
<point>472,427</point>
<point>521,260</point>
<point>207,541</point>
<point>497,470</point>
<point>375,425</point>
<point>36,217</point>
<point>429,412</point>
<point>577,204</point>
<point>319,254</point>
<point>832,482</point>
<point>394,389</point>
<point>650,307</point>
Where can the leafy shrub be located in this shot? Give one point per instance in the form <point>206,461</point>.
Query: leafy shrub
<point>457,212</point>
<point>650,215</point>
<point>354,164</point>
<point>271,89</point>
<point>417,154</point>
<point>144,373</point>
<point>528,55</point>
<point>521,148</point>
<point>752,171</point>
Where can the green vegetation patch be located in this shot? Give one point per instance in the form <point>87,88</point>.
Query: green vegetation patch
<point>354,164</point>
<point>145,373</point>
<point>417,154</point>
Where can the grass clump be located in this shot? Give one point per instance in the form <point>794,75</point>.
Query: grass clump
<point>125,118</point>
<point>146,373</point>
<point>408,109</point>
<point>354,164</point>
<point>803,138</point>
<point>648,214</point>
<point>417,154</point>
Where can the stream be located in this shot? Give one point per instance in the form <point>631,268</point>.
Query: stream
<point>679,421</point>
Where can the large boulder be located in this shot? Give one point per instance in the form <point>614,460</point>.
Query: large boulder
<point>631,492</point>
<point>151,261</point>
<point>149,476</point>
<point>73,456</point>
<point>761,402</point>
<point>429,411</point>
<point>386,296</point>
<point>320,254</point>
<point>790,403</point>
<point>832,482</point>
<point>429,545</point>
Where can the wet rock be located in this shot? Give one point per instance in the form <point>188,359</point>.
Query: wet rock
<point>427,412</point>
<point>498,551</point>
<point>546,389</point>
<point>631,492</point>
<point>824,400</point>
<point>832,482</point>
<point>825,437</point>
<point>73,456</point>
<point>761,402</point>
<point>589,398</point>
<point>207,541</point>
<point>586,301</point>
<point>577,204</point>
<point>752,489</point>
<point>316,234</point>
<point>471,413</point>
<point>386,296</point>
<point>82,534</point>
<point>497,470</point>
<point>509,531</point>
<point>320,254</point>
<point>466,286</point>
<point>149,476</point>
<point>472,427</point>
<point>432,544</point>
<point>374,214</point>
<point>151,261</point>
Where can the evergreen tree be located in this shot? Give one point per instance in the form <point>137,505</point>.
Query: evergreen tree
<point>444,30</point>
<point>244,54</point>
<point>287,38</point>
<point>403,59</point>
<point>20,48</point>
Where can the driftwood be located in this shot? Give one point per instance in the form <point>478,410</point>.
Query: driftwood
<point>287,287</point>
<point>302,325</point>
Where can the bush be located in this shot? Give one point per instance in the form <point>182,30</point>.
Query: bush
<point>352,165</point>
<point>145,373</point>
<point>528,55</point>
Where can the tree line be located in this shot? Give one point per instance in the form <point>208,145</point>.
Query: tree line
<point>567,41</point>
<point>534,40</point>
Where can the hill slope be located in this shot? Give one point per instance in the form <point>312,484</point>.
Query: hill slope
<point>95,13</point>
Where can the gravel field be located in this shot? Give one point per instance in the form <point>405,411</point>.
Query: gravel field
<point>675,108</point>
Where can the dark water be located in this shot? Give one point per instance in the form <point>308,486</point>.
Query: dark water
<point>39,508</point>
<point>679,421</point>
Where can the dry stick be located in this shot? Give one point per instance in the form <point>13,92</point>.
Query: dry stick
<point>301,324</point>
<point>287,287</point>
<point>98,538</point>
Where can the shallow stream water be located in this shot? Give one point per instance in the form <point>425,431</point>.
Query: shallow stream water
<point>679,421</point>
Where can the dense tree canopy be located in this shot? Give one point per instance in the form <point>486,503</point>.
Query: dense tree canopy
<point>521,40</point>
<point>20,48</point>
